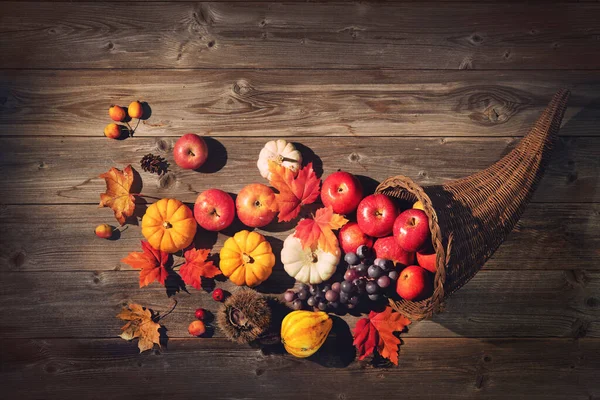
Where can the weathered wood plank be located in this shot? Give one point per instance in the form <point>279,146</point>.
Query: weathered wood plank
<point>299,35</point>
<point>66,170</point>
<point>291,102</point>
<point>494,304</point>
<point>544,369</point>
<point>60,238</point>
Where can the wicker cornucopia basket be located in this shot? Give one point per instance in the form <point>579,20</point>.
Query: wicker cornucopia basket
<point>470,217</point>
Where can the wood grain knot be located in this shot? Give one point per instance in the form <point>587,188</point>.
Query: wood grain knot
<point>354,157</point>
<point>163,145</point>
<point>242,87</point>
<point>493,105</point>
<point>167,180</point>
<point>18,259</point>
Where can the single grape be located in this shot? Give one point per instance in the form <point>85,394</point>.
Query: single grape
<point>303,294</point>
<point>363,251</point>
<point>360,285</point>
<point>334,304</point>
<point>311,301</point>
<point>303,286</point>
<point>384,281</point>
<point>374,272</point>
<point>388,265</point>
<point>313,290</point>
<point>379,262</point>
<point>322,306</point>
<point>354,300</point>
<point>297,304</point>
<point>350,275</point>
<point>331,295</point>
<point>351,258</point>
<point>374,297</point>
<point>393,275</point>
<point>371,287</point>
<point>344,297</point>
<point>346,286</point>
<point>289,296</point>
<point>362,269</point>
<point>336,287</point>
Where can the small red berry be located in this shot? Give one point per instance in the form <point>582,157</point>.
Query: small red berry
<point>200,313</point>
<point>197,328</point>
<point>218,294</point>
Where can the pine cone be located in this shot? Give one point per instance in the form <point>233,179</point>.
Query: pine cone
<point>154,164</point>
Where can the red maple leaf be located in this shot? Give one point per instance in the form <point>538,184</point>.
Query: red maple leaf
<point>196,267</point>
<point>294,192</point>
<point>377,331</point>
<point>153,264</point>
<point>318,231</point>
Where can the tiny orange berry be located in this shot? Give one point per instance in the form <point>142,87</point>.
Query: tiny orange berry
<point>197,328</point>
<point>112,131</point>
<point>135,110</point>
<point>104,231</point>
<point>116,113</point>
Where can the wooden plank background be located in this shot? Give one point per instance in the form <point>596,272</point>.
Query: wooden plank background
<point>434,90</point>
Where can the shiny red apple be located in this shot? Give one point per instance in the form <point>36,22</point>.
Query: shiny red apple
<point>411,229</point>
<point>414,283</point>
<point>190,151</point>
<point>214,210</point>
<point>342,192</point>
<point>255,205</point>
<point>389,249</point>
<point>376,214</point>
<point>351,237</point>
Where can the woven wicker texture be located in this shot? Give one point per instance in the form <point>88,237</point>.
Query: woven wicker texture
<point>470,217</point>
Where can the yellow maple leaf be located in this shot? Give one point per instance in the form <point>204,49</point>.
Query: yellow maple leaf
<point>140,325</point>
<point>117,196</point>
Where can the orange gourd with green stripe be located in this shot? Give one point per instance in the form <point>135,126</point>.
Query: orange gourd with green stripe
<point>169,225</point>
<point>247,258</point>
<point>304,332</point>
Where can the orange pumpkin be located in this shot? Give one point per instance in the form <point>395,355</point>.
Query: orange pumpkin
<point>169,225</point>
<point>247,258</point>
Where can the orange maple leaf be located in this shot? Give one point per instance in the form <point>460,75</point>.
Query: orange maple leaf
<point>377,331</point>
<point>318,231</point>
<point>294,192</point>
<point>141,325</point>
<point>117,196</point>
<point>196,267</point>
<point>153,264</point>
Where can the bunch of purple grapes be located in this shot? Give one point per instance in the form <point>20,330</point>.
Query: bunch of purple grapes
<point>364,277</point>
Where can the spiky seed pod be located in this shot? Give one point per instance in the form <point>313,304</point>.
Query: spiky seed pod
<point>245,316</point>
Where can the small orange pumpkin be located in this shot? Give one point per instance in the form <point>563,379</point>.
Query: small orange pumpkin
<point>169,225</point>
<point>247,258</point>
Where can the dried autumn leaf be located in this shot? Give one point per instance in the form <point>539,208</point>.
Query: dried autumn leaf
<point>140,325</point>
<point>294,192</point>
<point>117,196</point>
<point>377,331</point>
<point>153,264</point>
<point>196,267</point>
<point>318,231</point>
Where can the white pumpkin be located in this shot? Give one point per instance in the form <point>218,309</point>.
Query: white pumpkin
<point>283,153</point>
<point>306,265</point>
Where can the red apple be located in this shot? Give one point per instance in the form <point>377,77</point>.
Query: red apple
<point>426,257</point>
<point>190,151</point>
<point>255,205</point>
<point>376,214</point>
<point>414,283</point>
<point>214,210</point>
<point>389,249</point>
<point>342,192</point>
<point>351,237</point>
<point>411,229</point>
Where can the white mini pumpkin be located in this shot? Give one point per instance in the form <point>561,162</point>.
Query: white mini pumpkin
<point>306,265</point>
<point>283,153</point>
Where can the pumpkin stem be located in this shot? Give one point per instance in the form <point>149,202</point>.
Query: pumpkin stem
<point>167,225</point>
<point>314,257</point>
<point>279,159</point>
<point>247,258</point>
